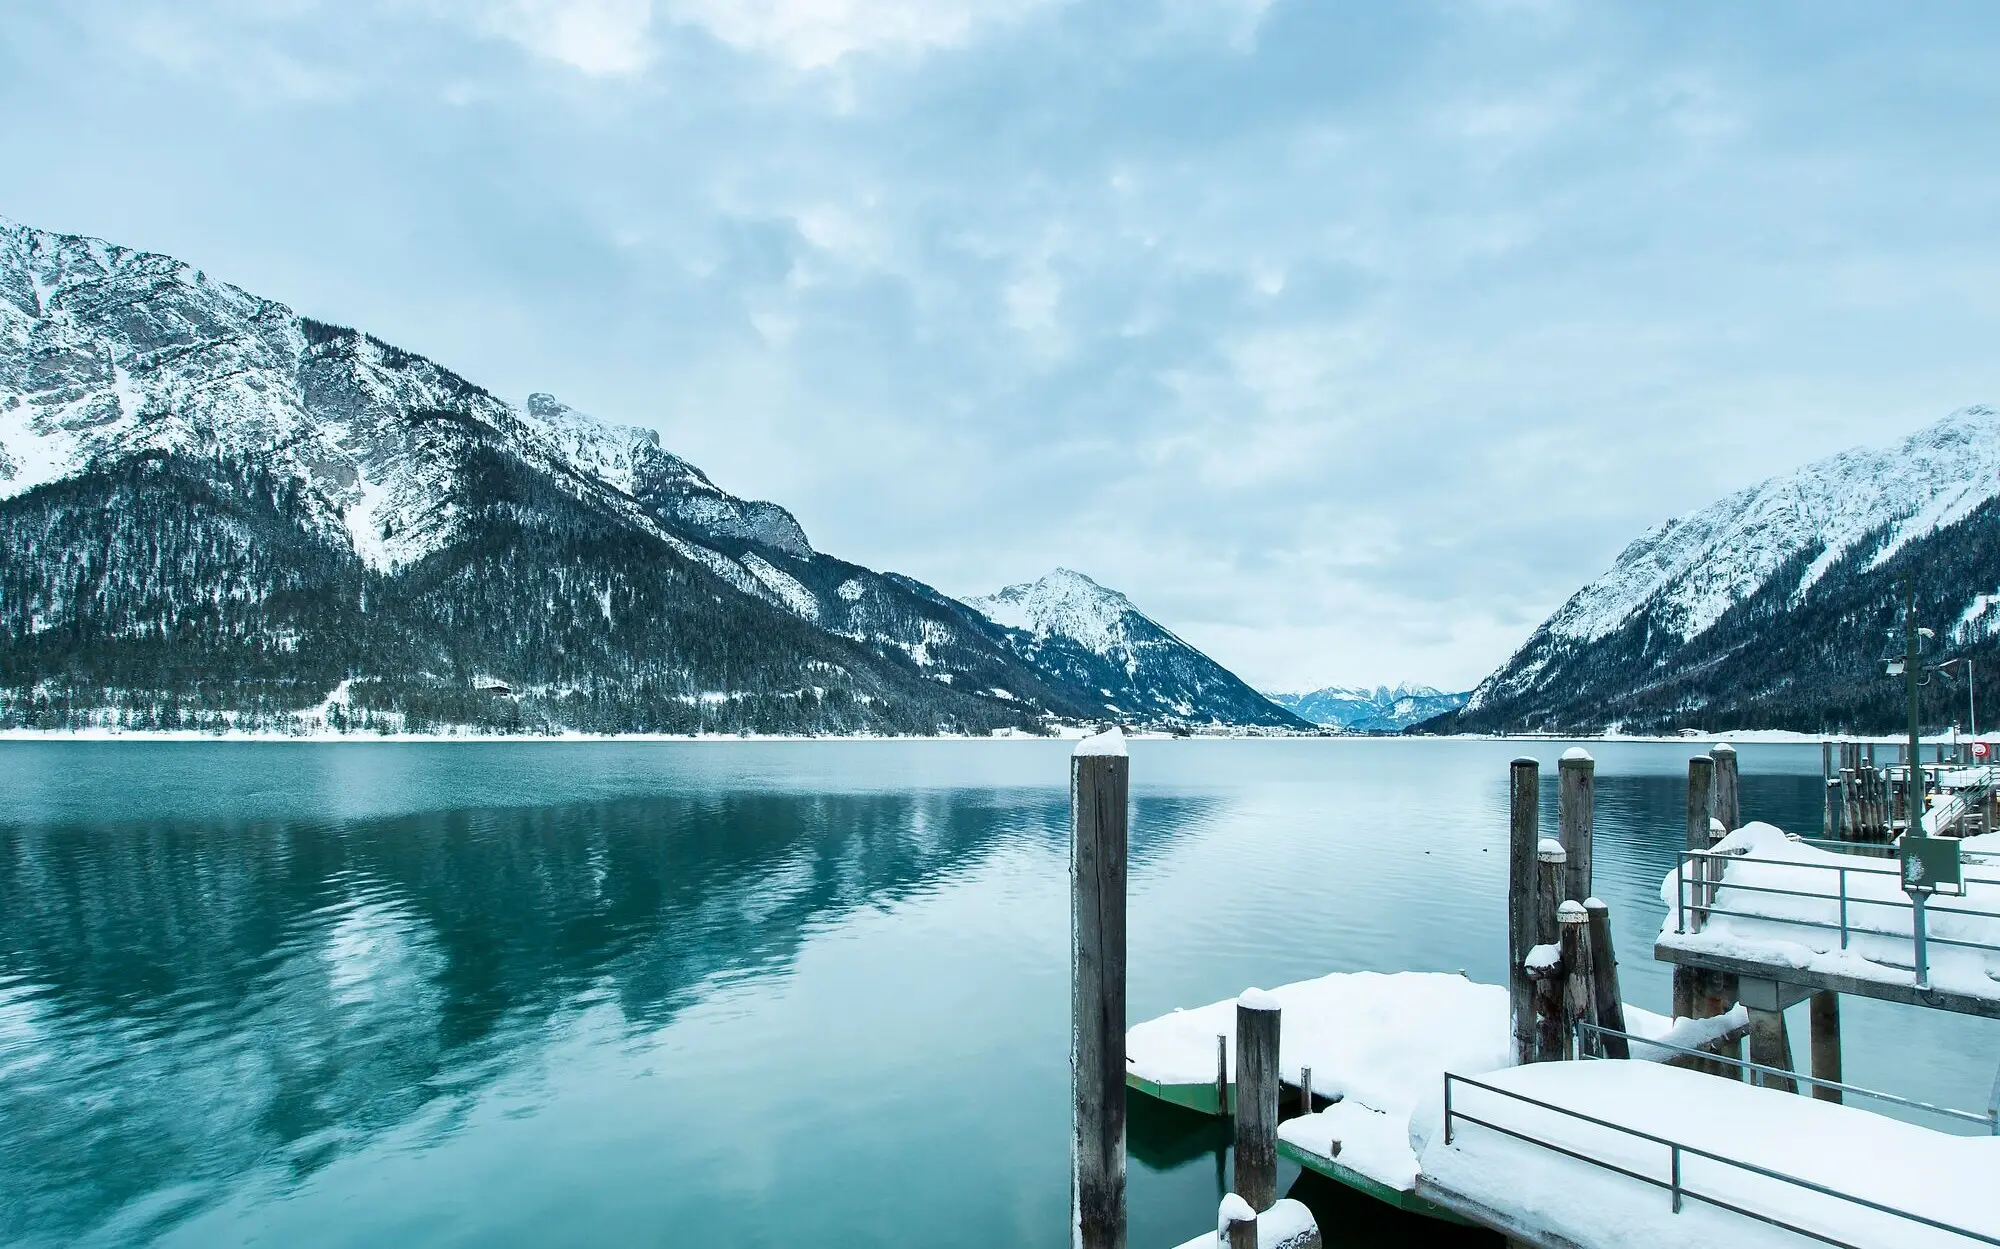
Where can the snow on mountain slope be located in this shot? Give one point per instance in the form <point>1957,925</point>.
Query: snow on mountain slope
<point>1381,710</point>
<point>1094,638</point>
<point>1689,571</point>
<point>1735,609</point>
<point>107,352</point>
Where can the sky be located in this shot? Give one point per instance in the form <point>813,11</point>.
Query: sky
<point>1347,339</point>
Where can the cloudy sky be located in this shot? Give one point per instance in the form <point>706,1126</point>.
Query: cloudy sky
<point>1347,338</point>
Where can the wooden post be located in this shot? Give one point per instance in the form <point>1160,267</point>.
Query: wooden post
<point>1824,1014</point>
<point>1830,818</point>
<point>1236,1223</point>
<point>1221,1073</point>
<point>1099,787</point>
<point>1728,801</point>
<point>1715,991</point>
<point>1701,776</point>
<point>1551,1028</point>
<point>1576,998</point>
<point>1771,1045</point>
<point>1604,980</point>
<point>1257,1098</point>
<point>1578,773</point>
<point>1305,1090</point>
<point>1524,796</point>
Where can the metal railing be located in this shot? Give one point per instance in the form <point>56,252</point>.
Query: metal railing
<point>1990,1120</point>
<point>1703,871</point>
<point>1676,1183</point>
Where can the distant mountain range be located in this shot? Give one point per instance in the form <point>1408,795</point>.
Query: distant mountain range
<point>1380,710</point>
<point>1774,607</point>
<point>216,512</point>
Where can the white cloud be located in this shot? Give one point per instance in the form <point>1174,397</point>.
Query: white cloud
<point>603,38</point>
<point>815,33</point>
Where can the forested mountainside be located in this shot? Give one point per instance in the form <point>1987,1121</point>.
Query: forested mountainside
<point>1773,608</point>
<point>1383,709</point>
<point>214,511</point>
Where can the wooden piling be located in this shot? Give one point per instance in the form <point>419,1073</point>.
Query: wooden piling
<point>1824,1016</point>
<point>1221,1074</point>
<point>1552,1029</point>
<point>1257,1098</point>
<point>1524,796</point>
<point>1610,1002</point>
<point>1701,776</point>
<point>1577,1002</point>
<point>1728,806</point>
<point>1100,786</point>
<point>1577,798</point>
<point>1771,1046</point>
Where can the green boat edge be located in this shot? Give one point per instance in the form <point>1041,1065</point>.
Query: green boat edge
<point>1202,1099</point>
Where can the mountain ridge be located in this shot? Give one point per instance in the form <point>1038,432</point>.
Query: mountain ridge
<point>442,536</point>
<point>1766,609</point>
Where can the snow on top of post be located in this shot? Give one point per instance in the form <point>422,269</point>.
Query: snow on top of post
<point>1549,850</point>
<point>1577,754</point>
<point>1722,748</point>
<point>1110,742</point>
<point>1527,759</point>
<point>1234,1210</point>
<point>1595,903</point>
<point>1543,958</point>
<point>1715,829</point>
<point>1572,912</point>
<point>1257,999</point>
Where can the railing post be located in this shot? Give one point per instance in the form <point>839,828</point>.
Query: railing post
<point>1100,785</point>
<point>1843,908</point>
<point>1677,1179</point>
<point>1447,1103</point>
<point>1918,929</point>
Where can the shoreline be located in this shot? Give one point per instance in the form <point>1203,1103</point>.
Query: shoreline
<point>1781,737</point>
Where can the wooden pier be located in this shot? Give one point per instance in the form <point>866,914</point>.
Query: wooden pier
<point>1548,1109</point>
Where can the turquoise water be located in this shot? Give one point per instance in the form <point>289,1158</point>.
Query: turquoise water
<point>731,993</point>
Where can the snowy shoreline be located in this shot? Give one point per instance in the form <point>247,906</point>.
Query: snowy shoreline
<point>1765,736</point>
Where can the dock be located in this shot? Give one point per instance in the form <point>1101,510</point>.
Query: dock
<point>1548,1109</point>
<point>1375,1045</point>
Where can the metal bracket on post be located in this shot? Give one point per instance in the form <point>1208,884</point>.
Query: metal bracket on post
<point>1756,993</point>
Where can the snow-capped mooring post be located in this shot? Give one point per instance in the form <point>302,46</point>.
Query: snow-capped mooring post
<point>1575,817</point>
<point>1524,792</point>
<point>1257,1020</point>
<point>1100,777</point>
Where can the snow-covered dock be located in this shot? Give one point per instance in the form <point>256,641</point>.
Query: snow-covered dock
<point>1644,1156</point>
<point>1378,1045</point>
<point>1789,912</point>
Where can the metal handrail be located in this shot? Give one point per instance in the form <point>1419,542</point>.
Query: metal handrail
<point>1695,867</point>
<point>1676,1185</point>
<point>1990,1120</point>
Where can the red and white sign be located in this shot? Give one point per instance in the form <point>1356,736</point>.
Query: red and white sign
<point>1979,750</point>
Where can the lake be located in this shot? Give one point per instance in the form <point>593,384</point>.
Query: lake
<point>744,994</point>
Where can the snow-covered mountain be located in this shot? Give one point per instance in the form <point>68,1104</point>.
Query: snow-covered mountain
<point>1769,605</point>
<point>1093,638</point>
<point>215,507</point>
<point>1384,709</point>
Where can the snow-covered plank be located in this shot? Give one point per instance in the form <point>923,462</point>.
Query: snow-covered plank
<point>1794,936</point>
<point>1377,1044</point>
<point>1531,1191</point>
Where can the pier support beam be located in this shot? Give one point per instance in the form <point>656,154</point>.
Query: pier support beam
<point>1825,1018</point>
<point>1608,1001</point>
<point>1257,1020</point>
<point>1524,796</point>
<point>1771,1046</point>
<point>1701,776</point>
<point>1099,789</point>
